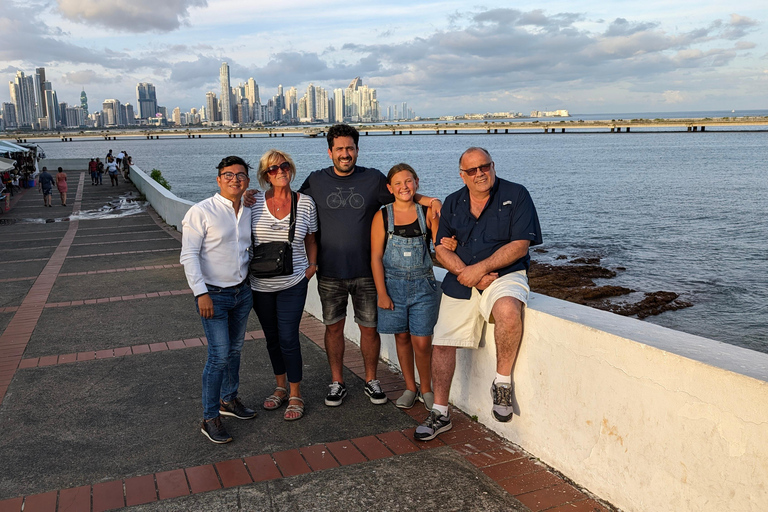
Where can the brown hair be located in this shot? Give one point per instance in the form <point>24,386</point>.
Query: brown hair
<point>398,168</point>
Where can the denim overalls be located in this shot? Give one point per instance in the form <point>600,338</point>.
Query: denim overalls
<point>410,281</point>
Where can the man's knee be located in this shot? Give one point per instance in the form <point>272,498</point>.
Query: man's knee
<point>508,312</point>
<point>336,328</point>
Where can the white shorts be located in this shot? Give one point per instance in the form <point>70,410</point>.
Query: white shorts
<point>460,321</point>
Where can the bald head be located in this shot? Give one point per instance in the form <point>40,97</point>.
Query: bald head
<point>472,150</point>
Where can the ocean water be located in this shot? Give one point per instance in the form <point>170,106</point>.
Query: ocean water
<point>682,212</point>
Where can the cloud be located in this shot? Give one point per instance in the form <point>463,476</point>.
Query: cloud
<point>130,15</point>
<point>26,38</point>
<point>86,77</point>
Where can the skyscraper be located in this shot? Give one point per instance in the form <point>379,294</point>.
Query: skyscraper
<point>211,107</point>
<point>111,112</point>
<point>338,103</point>
<point>226,108</point>
<point>23,97</point>
<point>146,99</point>
<point>84,102</point>
<point>40,92</point>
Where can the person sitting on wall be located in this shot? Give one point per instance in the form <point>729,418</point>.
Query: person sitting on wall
<point>493,222</point>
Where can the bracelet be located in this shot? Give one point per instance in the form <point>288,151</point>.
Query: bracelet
<point>433,200</point>
<point>313,264</point>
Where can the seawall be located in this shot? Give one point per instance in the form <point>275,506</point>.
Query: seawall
<point>646,417</point>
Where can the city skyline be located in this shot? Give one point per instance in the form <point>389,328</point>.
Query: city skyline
<point>443,58</point>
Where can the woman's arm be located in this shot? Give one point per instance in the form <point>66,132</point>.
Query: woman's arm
<point>378,241</point>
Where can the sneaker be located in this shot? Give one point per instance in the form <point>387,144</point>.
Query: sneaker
<point>336,395</point>
<point>214,430</point>
<point>502,401</point>
<point>429,400</point>
<point>435,424</point>
<point>407,399</point>
<point>374,392</point>
<point>236,409</point>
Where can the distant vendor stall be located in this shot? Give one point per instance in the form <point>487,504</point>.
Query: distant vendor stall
<point>25,157</point>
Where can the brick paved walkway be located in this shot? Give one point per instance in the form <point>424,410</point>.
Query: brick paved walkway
<point>100,395</point>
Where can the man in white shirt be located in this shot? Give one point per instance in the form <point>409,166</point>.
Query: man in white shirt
<point>216,237</point>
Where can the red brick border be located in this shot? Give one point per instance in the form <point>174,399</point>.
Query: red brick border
<point>53,360</point>
<point>117,298</point>
<point>110,271</point>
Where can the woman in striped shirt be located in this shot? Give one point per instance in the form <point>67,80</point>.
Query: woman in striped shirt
<point>279,301</point>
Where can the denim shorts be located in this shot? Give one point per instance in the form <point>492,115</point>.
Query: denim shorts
<point>416,302</point>
<point>334,295</point>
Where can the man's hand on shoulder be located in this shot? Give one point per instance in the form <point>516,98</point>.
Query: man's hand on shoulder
<point>436,207</point>
<point>249,198</point>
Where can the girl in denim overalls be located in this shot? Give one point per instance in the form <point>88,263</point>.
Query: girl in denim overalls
<point>405,284</point>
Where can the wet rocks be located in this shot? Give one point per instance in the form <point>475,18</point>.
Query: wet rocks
<point>573,282</point>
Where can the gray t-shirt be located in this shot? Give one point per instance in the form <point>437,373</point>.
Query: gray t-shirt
<point>345,209</point>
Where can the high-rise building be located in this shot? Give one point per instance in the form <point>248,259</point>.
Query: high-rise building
<point>111,112</point>
<point>291,104</point>
<point>23,97</point>
<point>146,100</point>
<point>226,106</point>
<point>130,115</point>
<point>211,107</point>
<point>40,92</point>
<point>338,102</point>
<point>9,116</point>
<point>84,101</point>
<point>177,116</point>
<point>52,106</point>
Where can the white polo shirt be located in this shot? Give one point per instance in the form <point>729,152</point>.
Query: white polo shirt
<point>215,244</point>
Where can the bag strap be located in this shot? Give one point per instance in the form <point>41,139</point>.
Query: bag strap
<point>292,230</point>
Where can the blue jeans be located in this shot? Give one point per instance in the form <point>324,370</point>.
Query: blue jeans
<point>279,315</point>
<point>226,335</point>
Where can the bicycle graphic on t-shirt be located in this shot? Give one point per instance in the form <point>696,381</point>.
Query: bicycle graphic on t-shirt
<point>340,198</point>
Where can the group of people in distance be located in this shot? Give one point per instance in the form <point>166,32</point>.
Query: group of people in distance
<point>112,165</point>
<point>378,256</point>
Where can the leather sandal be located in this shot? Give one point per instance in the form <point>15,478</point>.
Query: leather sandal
<point>273,401</point>
<point>294,408</point>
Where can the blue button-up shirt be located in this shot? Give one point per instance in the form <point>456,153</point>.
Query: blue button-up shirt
<point>508,215</point>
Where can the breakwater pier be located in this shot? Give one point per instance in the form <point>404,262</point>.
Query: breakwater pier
<point>100,361</point>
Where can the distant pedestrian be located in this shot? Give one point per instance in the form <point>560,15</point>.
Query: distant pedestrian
<point>99,172</point>
<point>215,252</point>
<point>126,168</point>
<point>119,159</point>
<point>45,185</point>
<point>93,168</point>
<point>61,184</point>
<point>113,171</point>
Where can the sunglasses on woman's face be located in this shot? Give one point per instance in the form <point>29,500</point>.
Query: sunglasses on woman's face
<point>272,169</point>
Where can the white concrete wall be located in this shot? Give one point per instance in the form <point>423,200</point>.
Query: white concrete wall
<point>170,208</point>
<point>645,417</point>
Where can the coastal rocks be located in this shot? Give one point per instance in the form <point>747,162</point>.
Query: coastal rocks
<point>573,282</point>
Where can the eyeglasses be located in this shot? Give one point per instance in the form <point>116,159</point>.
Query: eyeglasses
<point>285,167</point>
<point>485,168</point>
<point>229,176</point>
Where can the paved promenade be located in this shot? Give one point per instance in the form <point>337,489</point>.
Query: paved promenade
<point>101,355</point>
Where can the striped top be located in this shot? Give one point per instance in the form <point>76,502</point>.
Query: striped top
<point>267,228</point>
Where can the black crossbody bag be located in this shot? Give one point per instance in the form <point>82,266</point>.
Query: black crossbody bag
<point>275,258</point>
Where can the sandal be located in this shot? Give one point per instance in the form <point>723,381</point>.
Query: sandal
<point>294,408</point>
<point>273,401</point>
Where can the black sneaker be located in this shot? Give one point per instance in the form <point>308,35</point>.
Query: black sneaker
<point>435,424</point>
<point>236,409</point>
<point>214,430</point>
<point>374,392</point>
<point>336,395</point>
<point>502,401</point>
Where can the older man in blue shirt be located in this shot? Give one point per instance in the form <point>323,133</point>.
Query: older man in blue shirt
<point>493,222</point>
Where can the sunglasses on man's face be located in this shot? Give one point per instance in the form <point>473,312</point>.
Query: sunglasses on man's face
<point>272,169</point>
<point>485,168</point>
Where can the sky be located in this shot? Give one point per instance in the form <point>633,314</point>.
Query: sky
<point>442,57</point>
